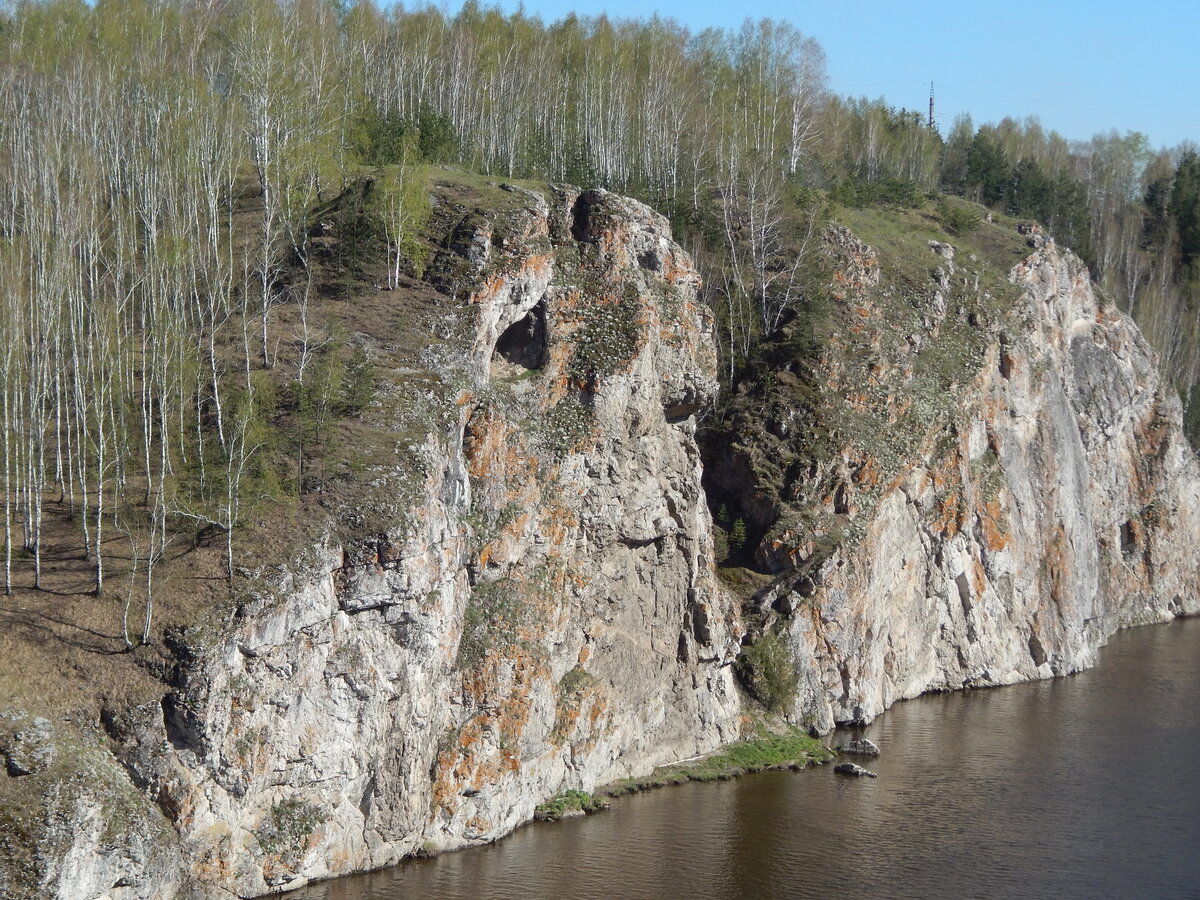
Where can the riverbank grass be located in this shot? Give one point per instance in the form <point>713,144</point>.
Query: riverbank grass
<point>768,751</point>
<point>569,804</point>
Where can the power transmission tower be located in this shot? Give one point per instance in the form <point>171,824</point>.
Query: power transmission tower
<point>931,125</point>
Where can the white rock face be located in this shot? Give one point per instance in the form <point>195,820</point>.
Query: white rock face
<point>542,612</point>
<point>547,619</point>
<point>1065,507</point>
<point>99,839</point>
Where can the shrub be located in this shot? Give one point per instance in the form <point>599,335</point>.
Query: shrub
<point>768,672</point>
<point>857,193</point>
<point>956,219</point>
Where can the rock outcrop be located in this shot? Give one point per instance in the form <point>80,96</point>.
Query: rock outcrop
<point>541,615</point>
<point>853,770</point>
<point>955,483</point>
<point>859,747</point>
<point>1009,534</point>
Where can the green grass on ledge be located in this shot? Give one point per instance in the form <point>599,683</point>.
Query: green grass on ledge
<point>791,749</point>
<point>568,804</point>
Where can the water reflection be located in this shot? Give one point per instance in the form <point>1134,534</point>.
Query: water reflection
<point>1078,787</point>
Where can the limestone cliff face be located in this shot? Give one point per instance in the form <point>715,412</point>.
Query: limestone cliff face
<point>954,482</point>
<point>542,615</point>
<point>1057,503</point>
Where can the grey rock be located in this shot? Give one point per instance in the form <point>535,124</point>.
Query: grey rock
<point>944,250</point>
<point>853,771</point>
<point>31,749</point>
<point>383,708</point>
<point>544,613</point>
<point>1057,537</point>
<point>861,747</point>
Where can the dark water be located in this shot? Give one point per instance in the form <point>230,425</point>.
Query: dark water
<point>1079,787</point>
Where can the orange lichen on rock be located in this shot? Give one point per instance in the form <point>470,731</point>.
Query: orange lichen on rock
<point>867,473</point>
<point>949,512</point>
<point>992,521</point>
<point>485,440</point>
<point>1056,565</point>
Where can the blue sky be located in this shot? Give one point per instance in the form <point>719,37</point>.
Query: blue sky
<point>1080,67</point>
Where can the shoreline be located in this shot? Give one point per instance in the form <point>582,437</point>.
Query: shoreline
<point>789,750</point>
<point>733,760</point>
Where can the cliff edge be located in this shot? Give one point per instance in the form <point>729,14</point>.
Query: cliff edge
<point>984,477</point>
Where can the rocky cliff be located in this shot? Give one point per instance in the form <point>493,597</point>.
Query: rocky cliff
<point>953,473</point>
<point>538,614</point>
<point>1001,484</point>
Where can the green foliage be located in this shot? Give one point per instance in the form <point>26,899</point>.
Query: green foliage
<point>786,748</point>
<point>571,689</point>
<point>381,140</point>
<point>958,220</point>
<point>401,210</point>
<point>565,427</point>
<point>1191,414</point>
<point>391,139</point>
<point>574,681</point>
<point>314,401</point>
<point>952,176</point>
<point>857,193</point>
<point>286,828</point>
<point>1031,192</point>
<point>987,168</point>
<point>870,141</point>
<point>989,474</point>
<point>1156,216</point>
<point>437,140</point>
<point>338,383</point>
<point>1156,513</point>
<point>769,749</point>
<point>358,383</point>
<point>491,621</point>
<point>356,226</point>
<point>1021,187</point>
<point>767,670</point>
<point>607,340</point>
<point>1184,208</point>
<point>568,803</point>
<point>737,537</point>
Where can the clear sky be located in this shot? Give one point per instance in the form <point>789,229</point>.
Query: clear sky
<point>1082,66</point>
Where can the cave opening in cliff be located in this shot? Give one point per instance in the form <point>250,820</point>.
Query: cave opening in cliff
<point>1130,537</point>
<point>583,228</point>
<point>524,342</point>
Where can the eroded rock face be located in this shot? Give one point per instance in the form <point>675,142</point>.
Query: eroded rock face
<point>1060,505</point>
<point>543,615</point>
<point>534,609</point>
<point>73,826</point>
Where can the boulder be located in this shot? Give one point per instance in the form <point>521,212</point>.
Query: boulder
<point>861,747</point>
<point>30,750</point>
<point>853,771</point>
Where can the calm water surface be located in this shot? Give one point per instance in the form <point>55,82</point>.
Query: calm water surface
<point>1086,786</point>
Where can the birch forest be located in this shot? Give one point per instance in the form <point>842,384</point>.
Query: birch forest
<point>161,164</point>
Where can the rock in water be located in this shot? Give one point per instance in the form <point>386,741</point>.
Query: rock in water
<point>853,771</point>
<point>861,747</point>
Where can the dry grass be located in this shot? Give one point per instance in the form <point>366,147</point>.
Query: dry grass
<point>61,647</point>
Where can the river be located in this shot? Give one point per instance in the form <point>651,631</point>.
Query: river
<point>1087,786</point>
